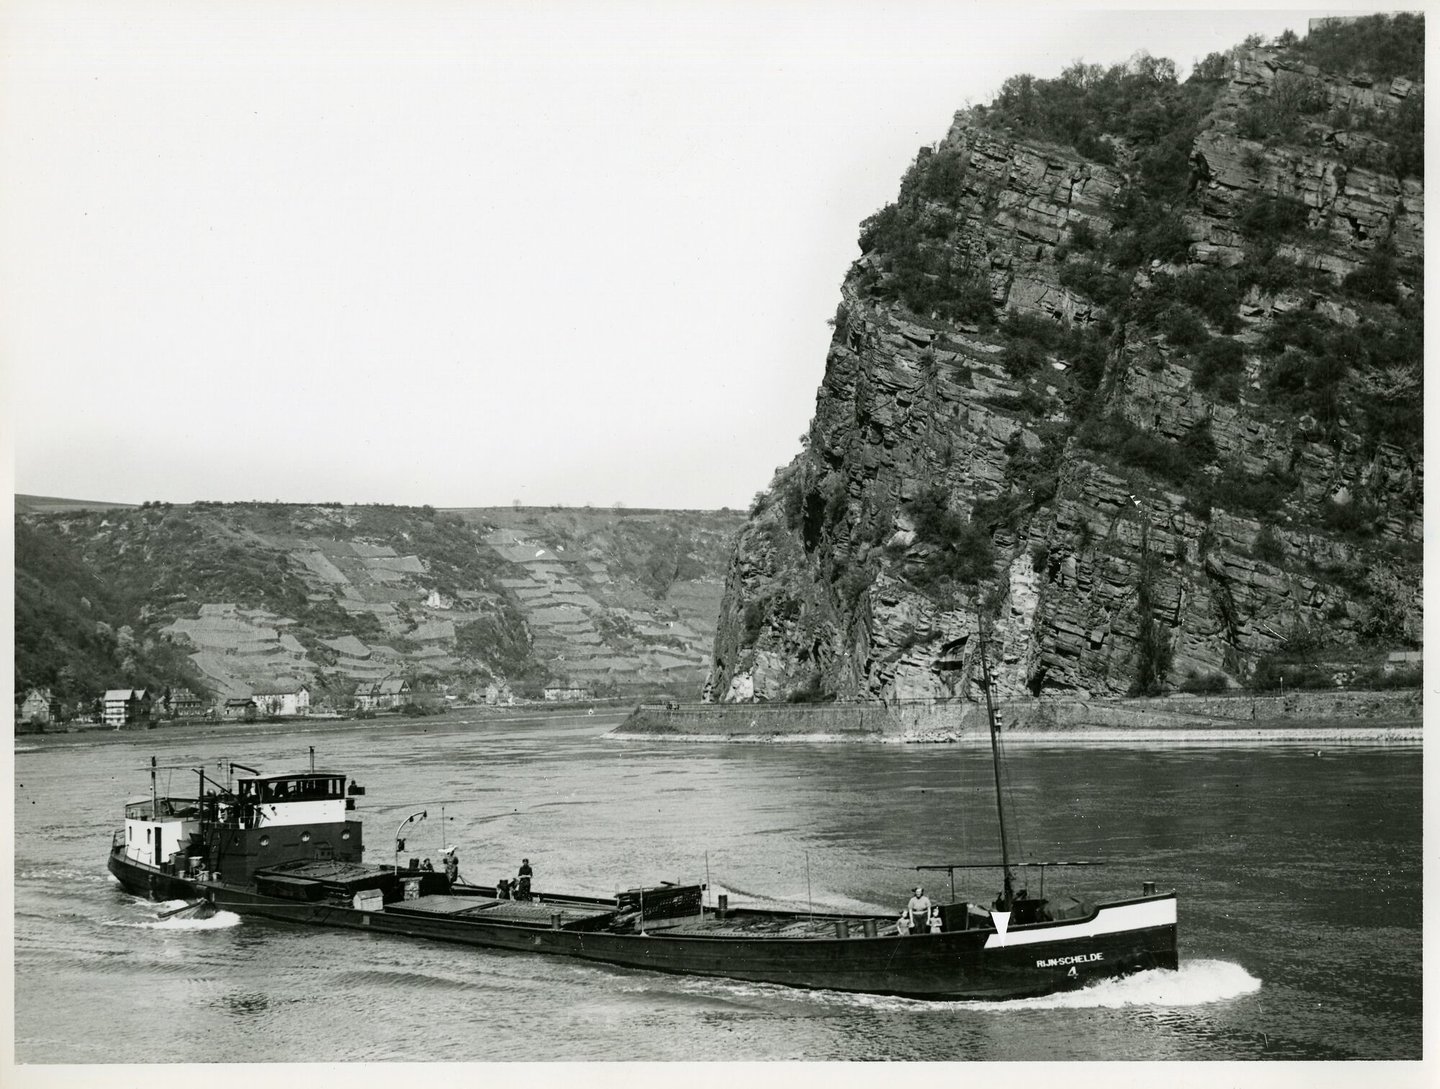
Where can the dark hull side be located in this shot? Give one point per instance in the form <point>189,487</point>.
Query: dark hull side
<point>955,965</point>
<point>142,880</point>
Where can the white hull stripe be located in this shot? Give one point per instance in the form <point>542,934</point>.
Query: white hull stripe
<point>1109,920</point>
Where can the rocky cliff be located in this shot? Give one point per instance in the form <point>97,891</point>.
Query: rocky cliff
<point>1129,376</point>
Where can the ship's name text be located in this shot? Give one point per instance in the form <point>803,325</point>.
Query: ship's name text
<point>1060,962</point>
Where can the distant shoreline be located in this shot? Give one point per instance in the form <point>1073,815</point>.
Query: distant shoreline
<point>1377,720</point>
<point>1387,716</point>
<point>1388,733</point>
<point>480,718</point>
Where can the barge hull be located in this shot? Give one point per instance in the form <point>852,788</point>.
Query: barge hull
<point>969,964</point>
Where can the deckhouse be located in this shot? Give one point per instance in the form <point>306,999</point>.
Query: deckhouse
<point>273,820</point>
<point>310,797</point>
<point>157,828</point>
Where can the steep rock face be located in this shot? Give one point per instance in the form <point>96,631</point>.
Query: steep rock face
<point>1146,521</point>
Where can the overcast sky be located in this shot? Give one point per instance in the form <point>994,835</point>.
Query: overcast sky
<point>465,253</point>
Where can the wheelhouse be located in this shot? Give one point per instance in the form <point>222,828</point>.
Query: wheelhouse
<point>296,798</point>
<point>315,786</point>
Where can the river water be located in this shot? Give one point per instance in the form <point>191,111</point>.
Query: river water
<point>1299,875</point>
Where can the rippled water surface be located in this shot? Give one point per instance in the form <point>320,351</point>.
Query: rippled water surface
<point>1298,875</point>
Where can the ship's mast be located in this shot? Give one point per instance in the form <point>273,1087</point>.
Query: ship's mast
<point>1008,896</point>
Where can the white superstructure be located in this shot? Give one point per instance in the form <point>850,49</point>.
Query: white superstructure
<point>310,797</point>
<point>155,828</point>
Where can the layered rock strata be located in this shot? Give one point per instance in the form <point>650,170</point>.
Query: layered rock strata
<point>821,599</point>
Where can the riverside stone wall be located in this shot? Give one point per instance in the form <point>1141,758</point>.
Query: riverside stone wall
<point>958,720</point>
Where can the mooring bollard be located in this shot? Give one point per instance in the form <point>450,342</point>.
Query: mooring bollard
<point>554,920</point>
<point>1148,889</point>
<point>842,928</point>
<point>724,906</point>
<point>870,928</point>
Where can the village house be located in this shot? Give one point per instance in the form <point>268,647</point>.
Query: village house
<point>498,694</point>
<point>240,708</point>
<point>127,706</point>
<point>282,699</point>
<point>39,707</point>
<point>183,703</point>
<point>384,695</point>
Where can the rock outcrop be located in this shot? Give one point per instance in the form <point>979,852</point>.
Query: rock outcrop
<point>1164,509</point>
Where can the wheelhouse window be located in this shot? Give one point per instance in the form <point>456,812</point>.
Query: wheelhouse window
<point>293,788</point>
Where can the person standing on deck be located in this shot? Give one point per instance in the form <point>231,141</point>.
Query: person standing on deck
<point>523,877</point>
<point>919,911</point>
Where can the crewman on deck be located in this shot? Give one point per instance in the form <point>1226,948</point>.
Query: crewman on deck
<point>523,877</point>
<point>452,865</point>
<point>919,911</point>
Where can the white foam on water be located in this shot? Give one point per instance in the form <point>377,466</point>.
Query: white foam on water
<point>180,920</point>
<point>221,920</point>
<point>1195,983</point>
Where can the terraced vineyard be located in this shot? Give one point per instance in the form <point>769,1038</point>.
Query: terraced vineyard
<point>231,597</point>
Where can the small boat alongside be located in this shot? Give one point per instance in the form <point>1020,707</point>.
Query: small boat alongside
<point>290,847</point>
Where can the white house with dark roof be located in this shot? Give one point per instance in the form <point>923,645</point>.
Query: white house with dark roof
<point>282,699</point>
<point>383,695</point>
<point>126,706</point>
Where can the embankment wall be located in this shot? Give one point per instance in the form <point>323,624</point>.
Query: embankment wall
<point>1279,716</point>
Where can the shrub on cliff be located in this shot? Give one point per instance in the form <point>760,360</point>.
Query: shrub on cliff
<point>911,261</point>
<point>1237,490</point>
<point>960,551</point>
<point>1203,683</point>
<point>1198,445</point>
<point>1265,217</point>
<point>1355,518</point>
<point>1268,546</point>
<point>1095,281</point>
<point>935,176</point>
<point>1272,273</point>
<point>1279,115</point>
<point>1182,327</point>
<point>1153,652</point>
<point>1218,366</point>
<point>1139,101</point>
<point>1136,448</point>
<point>1383,46</point>
<point>1376,280</point>
<point>1022,358</point>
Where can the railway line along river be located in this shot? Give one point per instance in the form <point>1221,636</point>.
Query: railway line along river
<point>1298,872</point>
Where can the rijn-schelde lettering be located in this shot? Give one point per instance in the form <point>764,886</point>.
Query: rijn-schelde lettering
<point>1060,962</point>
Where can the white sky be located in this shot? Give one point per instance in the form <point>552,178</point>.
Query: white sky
<point>465,253</point>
